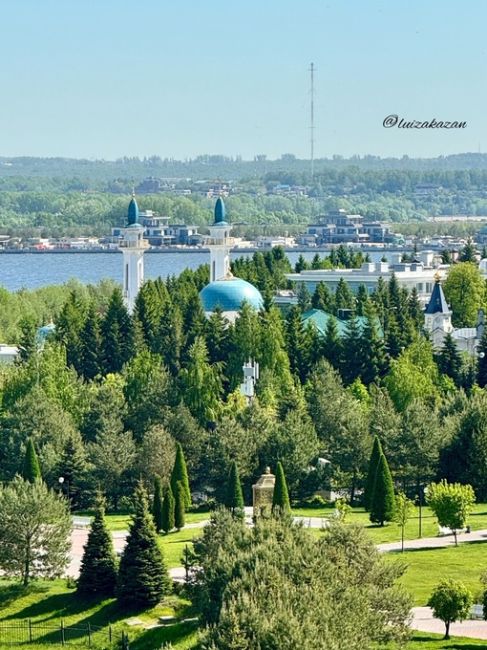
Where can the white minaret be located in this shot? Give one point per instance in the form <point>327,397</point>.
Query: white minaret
<point>132,246</point>
<point>219,244</point>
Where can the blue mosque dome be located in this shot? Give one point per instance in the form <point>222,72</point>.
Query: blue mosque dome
<point>220,212</point>
<point>229,294</point>
<point>133,212</point>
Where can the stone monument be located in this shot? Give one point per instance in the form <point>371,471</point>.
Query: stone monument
<point>263,492</point>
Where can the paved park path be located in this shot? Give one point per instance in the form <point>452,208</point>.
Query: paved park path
<point>422,617</point>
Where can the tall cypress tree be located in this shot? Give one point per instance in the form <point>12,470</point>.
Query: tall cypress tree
<point>31,471</point>
<point>98,572</point>
<point>280,498</point>
<point>157,504</point>
<point>383,504</point>
<point>168,510</point>
<point>143,578</point>
<point>180,475</point>
<point>179,508</point>
<point>234,497</point>
<point>372,471</point>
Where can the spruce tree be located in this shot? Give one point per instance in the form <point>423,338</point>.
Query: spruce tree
<point>372,348</point>
<point>322,298</point>
<point>233,497</point>
<point>332,346</point>
<point>89,345</point>
<point>31,471</point>
<point>157,504</point>
<point>180,475</point>
<point>179,508</point>
<point>117,334</point>
<point>168,511</point>
<point>280,498</point>
<point>383,504</point>
<point>352,356</point>
<point>449,360</point>
<point>375,455</point>
<point>98,573</point>
<point>143,578</point>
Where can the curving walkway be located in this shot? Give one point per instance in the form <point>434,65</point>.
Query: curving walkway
<point>423,621</point>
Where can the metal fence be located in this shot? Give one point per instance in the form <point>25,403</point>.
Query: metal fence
<point>26,632</point>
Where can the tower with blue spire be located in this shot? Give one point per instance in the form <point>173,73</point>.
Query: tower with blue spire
<point>225,291</point>
<point>133,246</point>
<point>437,316</point>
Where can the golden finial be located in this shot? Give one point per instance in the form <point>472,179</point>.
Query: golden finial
<point>437,277</point>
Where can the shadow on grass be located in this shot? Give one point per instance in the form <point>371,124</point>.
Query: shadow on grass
<point>11,592</point>
<point>447,645</point>
<point>155,637</point>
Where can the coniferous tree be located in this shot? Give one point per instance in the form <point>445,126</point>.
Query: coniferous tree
<point>332,346</point>
<point>157,504</point>
<point>89,345</point>
<point>298,344</point>
<point>217,337</point>
<point>449,360</point>
<point>180,475</point>
<point>383,504</point>
<point>31,471</point>
<point>415,309</point>
<point>322,298</point>
<point>98,572</point>
<point>375,455</point>
<point>68,327</point>
<point>344,298</point>
<point>143,579</point>
<point>234,497</point>
<point>27,343</point>
<point>394,344</point>
<point>352,357</point>
<point>304,297</point>
<point>168,510</point>
<point>179,506</point>
<point>72,467</point>
<point>117,334</point>
<point>280,498</point>
<point>361,300</point>
<point>372,348</point>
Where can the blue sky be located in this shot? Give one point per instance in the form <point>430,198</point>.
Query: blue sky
<point>107,78</point>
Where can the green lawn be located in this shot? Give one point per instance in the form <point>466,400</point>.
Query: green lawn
<point>391,532</point>
<point>428,566</point>
<point>172,545</point>
<point>49,602</point>
<point>117,522</point>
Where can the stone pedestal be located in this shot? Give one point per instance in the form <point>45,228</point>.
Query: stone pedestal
<point>262,492</point>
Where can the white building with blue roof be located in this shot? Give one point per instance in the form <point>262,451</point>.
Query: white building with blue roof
<point>224,290</point>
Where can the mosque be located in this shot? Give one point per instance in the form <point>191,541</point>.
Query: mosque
<point>224,290</point>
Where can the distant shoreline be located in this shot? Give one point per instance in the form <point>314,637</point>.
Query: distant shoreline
<point>294,249</point>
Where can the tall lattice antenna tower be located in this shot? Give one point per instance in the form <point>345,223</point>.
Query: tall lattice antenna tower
<point>312,121</point>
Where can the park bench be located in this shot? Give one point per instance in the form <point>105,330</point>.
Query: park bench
<point>477,612</point>
<point>444,530</point>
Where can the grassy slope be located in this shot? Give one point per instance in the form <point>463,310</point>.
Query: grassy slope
<point>49,602</point>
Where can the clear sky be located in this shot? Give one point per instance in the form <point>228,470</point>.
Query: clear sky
<point>107,78</point>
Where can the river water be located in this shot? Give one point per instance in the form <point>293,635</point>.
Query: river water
<point>32,270</point>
